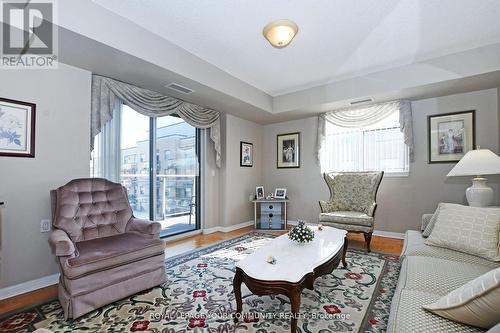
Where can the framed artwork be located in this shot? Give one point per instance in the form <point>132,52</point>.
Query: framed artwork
<point>17,128</point>
<point>259,192</point>
<point>246,154</point>
<point>288,150</point>
<point>280,193</point>
<point>451,136</point>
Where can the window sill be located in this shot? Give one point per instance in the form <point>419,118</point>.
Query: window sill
<point>396,174</point>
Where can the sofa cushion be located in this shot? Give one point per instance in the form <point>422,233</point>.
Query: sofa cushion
<point>472,230</point>
<point>414,246</point>
<point>346,217</point>
<point>475,303</point>
<point>103,253</point>
<point>432,221</point>
<point>408,316</point>
<point>349,227</point>
<point>437,276</point>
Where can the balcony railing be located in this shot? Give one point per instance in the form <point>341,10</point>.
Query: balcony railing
<point>167,204</point>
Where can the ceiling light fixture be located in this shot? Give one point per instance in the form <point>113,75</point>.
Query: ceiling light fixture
<point>280,33</point>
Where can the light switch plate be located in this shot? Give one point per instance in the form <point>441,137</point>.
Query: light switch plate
<point>44,225</point>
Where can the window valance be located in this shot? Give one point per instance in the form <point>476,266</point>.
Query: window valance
<point>151,104</point>
<point>366,116</point>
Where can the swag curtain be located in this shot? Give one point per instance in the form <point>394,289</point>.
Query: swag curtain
<point>366,116</point>
<point>105,92</point>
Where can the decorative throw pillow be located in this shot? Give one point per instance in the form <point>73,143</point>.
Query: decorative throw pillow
<point>476,303</point>
<point>472,230</point>
<point>428,229</point>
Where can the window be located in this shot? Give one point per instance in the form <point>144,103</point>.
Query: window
<point>378,147</point>
<point>168,155</point>
<point>157,189</point>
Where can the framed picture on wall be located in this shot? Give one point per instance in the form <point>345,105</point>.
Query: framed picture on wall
<point>17,128</point>
<point>288,150</point>
<point>246,154</point>
<point>450,136</point>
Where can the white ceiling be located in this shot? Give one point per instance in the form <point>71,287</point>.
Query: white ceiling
<point>337,39</point>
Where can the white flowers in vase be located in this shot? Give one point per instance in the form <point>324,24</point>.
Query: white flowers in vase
<point>301,233</point>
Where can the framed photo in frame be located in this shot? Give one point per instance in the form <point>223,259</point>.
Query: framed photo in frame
<point>288,150</point>
<point>17,128</point>
<point>451,136</point>
<point>259,192</point>
<point>280,193</point>
<point>246,154</point>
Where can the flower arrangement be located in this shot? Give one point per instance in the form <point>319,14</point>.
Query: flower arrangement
<point>301,233</point>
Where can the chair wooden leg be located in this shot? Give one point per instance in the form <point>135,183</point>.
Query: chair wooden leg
<point>368,239</point>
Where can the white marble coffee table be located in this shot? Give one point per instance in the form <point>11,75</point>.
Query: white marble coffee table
<point>296,268</point>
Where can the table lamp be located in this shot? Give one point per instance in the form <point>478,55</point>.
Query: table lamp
<point>478,163</point>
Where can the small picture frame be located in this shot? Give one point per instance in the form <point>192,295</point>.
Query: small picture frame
<point>450,136</point>
<point>246,154</point>
<point>288,150</point>
<point>280,193</point>
<point>259,192</point>
<point>17,128</point>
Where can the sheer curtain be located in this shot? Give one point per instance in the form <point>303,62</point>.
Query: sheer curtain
<point>365,116</point>
<point>106,156</point>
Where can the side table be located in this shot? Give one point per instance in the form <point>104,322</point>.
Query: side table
<point>270,214</point>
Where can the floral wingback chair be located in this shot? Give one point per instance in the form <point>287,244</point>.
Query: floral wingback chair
<point>352,202</point>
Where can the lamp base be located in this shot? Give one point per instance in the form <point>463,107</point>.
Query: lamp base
<point>479,194</point>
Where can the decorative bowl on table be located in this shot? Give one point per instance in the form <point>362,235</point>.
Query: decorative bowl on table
<point>301,233</point>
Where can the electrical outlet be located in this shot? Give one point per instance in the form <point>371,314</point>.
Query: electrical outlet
<point>44,225</point>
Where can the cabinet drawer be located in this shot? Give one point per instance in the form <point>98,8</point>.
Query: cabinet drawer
<point>275,222</point>
<point>270,207</point>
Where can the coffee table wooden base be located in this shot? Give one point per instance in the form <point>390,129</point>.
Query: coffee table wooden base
<point>289,289</point>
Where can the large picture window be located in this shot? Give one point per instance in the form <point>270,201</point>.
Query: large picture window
<point>378,147</point>
<point>156,160</point>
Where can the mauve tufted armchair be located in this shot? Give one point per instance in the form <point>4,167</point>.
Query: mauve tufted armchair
<point>104,253</point>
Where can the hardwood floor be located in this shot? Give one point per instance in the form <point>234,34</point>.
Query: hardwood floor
<point>378,244</point>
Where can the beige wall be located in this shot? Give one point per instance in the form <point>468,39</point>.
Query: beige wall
<point>402,200</point>
<point>238,183</point>
<point>62,98</point>
<point>210,187</point>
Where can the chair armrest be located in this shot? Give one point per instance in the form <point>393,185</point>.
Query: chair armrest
<point>324,206</point>
<point>426,218</point>
<point>372,209</point>
<point>144,227</point>
<point>61,244</point>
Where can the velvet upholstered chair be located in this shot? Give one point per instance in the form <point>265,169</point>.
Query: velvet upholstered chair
<point>352,203</point>
<point>104,253</point>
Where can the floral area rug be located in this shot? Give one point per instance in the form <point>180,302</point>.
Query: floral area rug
<point>198,297</point>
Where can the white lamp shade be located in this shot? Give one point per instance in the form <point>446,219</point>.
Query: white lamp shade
<point>477,163</point>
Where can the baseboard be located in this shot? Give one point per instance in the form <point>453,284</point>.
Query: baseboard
<point>227,229</point>
<point>183,235</point>
<point>381,233</point>
<point>389,234</point>
<point>28,286</point>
